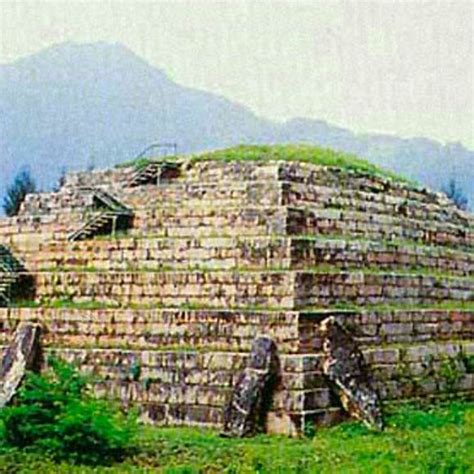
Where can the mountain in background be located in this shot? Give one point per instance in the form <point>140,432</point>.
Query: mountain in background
<point>74,106</point>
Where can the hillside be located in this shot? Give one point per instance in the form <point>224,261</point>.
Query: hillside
<point>74,106</point>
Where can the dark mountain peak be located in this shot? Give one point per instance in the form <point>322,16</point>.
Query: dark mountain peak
<point>76,104</point>
<point>70,61</point>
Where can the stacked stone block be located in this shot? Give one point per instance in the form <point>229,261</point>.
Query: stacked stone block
<point>228,251</point>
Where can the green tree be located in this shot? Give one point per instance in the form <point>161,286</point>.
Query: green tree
<point>456,194</point>
<point>22,185</point>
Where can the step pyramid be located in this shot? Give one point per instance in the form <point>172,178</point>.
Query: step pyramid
<point>245,242</point>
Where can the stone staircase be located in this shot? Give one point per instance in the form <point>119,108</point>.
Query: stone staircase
<point>154,172</point>
<point>114,216</point>
<point>10,268</point>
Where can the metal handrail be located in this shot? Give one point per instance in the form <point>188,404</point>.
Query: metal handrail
<point>159,146</point>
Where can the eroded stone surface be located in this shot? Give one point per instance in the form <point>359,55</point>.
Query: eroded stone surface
<point>19,357</point>
<point>347,371</point>
<point>249,403</point>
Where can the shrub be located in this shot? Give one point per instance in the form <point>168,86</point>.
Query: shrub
<point>55,414</point>
<point>22,185</point>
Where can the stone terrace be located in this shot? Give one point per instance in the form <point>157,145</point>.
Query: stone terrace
<point>167,309</point>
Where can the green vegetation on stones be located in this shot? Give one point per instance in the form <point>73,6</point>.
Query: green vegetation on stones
<point>298,153</point>
<point>468,361</point>
<point>141,163</point>
<point>323,268</point>
<point>341,306</point>
<point>293,153</point>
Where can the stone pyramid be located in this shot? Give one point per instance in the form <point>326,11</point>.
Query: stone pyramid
<point>158,276</point>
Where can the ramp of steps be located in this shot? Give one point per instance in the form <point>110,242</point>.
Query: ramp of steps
<point>55,216</point>
<point>6,282</point>
<point>104,223</point>
<point>283,289</point>
<point>264,252</point>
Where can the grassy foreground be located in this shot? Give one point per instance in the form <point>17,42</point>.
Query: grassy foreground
<point>438,439</point>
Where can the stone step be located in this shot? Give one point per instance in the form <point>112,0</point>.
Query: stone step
<point>244,193</point>
<point>293,194</point>
<point>335,197</point>
<point>192,387</point>
<point>250,220</point>
<point>369,226</point>
<point>270,289</point>
<point>402,216</point>
<point>211,221</point>
<point>247,220</point>
<point>198,381</point>
<point>223,253</point>
<point>235,330</point>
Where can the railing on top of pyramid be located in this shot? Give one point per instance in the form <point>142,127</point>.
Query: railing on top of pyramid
<point>152,170</point>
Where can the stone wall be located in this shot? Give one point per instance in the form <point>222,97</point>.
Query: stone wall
<point>180,365</point>
<point>244,252</point>
<point>284,289</point>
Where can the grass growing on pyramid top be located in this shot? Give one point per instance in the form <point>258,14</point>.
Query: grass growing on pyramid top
<point>298,153</point>
<point>141,163</point>
<point>295,152</point>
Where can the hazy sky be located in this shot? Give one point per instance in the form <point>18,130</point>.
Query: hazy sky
<point>404,67</point>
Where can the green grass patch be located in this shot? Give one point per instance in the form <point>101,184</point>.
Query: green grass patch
<point>298,153</point>
<point>341,306</point>
<point>323,268</point>
<point>293,153</point>
<point>141,163</point>
<point>436,439</point>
